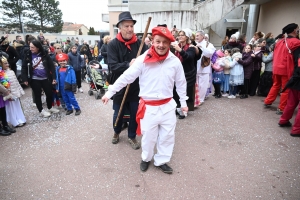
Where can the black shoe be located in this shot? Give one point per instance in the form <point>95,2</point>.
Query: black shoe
<point>181,117</point>
<point>77,112</point>
<point>295,135</point>
<point>288,124</point>
<point>166,169</point>
<point>4,132</point>
<point>267,105</point>
<point>244,96</point>
<point>69,112</point>
<point>218,96</point>
<point>9,129</point>
<point>214,95</point>
<point>144,165</point>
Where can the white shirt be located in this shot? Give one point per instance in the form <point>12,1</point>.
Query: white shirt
<point>207,52</point>
<point>156,79</point>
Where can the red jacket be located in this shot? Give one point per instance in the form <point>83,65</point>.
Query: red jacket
<point>283,62</point>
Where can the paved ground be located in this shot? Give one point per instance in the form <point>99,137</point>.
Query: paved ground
<point>226,149</point>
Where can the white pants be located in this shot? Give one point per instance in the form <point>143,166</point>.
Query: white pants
<point>158,128</point>
<point>203,84</point>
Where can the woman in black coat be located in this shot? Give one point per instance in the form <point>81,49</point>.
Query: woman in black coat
<point>257,60</point>
<point>188,56</point>
<point>106,40</point>
<point>38,71</point>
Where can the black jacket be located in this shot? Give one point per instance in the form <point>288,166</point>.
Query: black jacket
<point>27,67</point>
<point>118,58</point>
<point>13,55</point>
<point>104,52</point>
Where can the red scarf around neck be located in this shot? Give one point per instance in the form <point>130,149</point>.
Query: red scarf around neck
<point>152,56</point>
<point>127,43</point>
<point>184,48</point>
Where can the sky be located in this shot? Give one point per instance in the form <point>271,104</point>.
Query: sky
<point>87,12</point>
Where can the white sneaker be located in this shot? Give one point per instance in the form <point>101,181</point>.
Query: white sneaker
<point>225,95</point>
<point>53,110</point>
<point>33,104</point>
<point>237,94</point>
<point>45,114</point>
<point>80,90</point>
<point>231,97</point>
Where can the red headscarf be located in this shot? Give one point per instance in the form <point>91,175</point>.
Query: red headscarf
<point>152,56</point>
<point>127,43</point>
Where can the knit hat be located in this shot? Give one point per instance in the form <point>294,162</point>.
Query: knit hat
<point>163,31</point>
<point>289,28</point>
<point>188,32</point>
<point>220,53</point>
<point>62,57</point>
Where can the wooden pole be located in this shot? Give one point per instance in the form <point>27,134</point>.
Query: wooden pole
<point>128,86</point>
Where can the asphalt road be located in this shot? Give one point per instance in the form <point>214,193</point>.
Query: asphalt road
<point>225,149</point>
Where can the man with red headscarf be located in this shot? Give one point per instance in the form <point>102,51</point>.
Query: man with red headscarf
<point>158,69</point>
<point>283,65</point>
<point>120,52</point>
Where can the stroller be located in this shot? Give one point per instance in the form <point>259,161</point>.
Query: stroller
<point>96,77</point>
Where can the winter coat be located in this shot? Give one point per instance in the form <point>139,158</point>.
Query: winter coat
<point>268,60</point>
<point>231,45</point>
<point>294,82</point>
<point>70,79</point>
<point>13,55</point>
<point>226,63</point>
<point>247,63</point>
<point>218,66</point>
<point>104,52</point>
<point>283,63</point>
<point>27,68</point>
<point>76,61</point>
<point>189,63</point>
<point>257,60</point>
<point>236,68</point>
<point>15,88</point>
<point>118,58</point>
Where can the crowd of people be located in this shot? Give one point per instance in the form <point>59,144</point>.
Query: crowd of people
<point>175,72</point>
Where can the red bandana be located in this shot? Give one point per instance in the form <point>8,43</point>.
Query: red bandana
<point>127,43</point>
<point>184,48</point>
<point>152,56</point>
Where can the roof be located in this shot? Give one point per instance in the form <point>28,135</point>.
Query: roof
<point>72,27</point>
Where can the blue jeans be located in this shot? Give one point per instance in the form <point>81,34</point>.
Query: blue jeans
<point>132,107</point>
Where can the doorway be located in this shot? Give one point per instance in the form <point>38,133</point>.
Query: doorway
<point>231,31</point>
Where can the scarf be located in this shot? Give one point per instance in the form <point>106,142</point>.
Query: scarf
<point>142,109</point>
<point>184,48</point>
<point>152,56</point>
<point>127,43</point>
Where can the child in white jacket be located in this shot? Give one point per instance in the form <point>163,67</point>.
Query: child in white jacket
<point>14,112</point>
<point>236,73</point>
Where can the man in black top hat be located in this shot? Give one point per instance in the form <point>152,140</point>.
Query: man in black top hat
<point>121,51</point>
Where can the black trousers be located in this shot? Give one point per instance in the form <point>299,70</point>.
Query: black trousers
<point>78,78</point>
<point>254,80</point>
<point>190,92</point>
<point>3,116</point>
<point>245,87</point>
<point>217,89</point>
<point>37,86</point>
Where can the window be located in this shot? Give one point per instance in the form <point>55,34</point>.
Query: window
<point>124,1</point>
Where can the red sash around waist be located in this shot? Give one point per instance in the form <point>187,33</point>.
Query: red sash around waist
<point>142,109</point>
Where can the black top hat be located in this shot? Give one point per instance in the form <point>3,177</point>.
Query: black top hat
<point>124,16</point>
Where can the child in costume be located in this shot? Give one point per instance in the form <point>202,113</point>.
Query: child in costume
<point>14,112</point>
<point>66,83</point>
<point>218,74</point>
<point>236,73</point>
<point>226,60</point>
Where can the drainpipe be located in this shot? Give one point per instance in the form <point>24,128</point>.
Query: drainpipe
<point>252,21</point>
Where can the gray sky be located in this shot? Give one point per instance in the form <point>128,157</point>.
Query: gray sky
<point>87,12</point>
